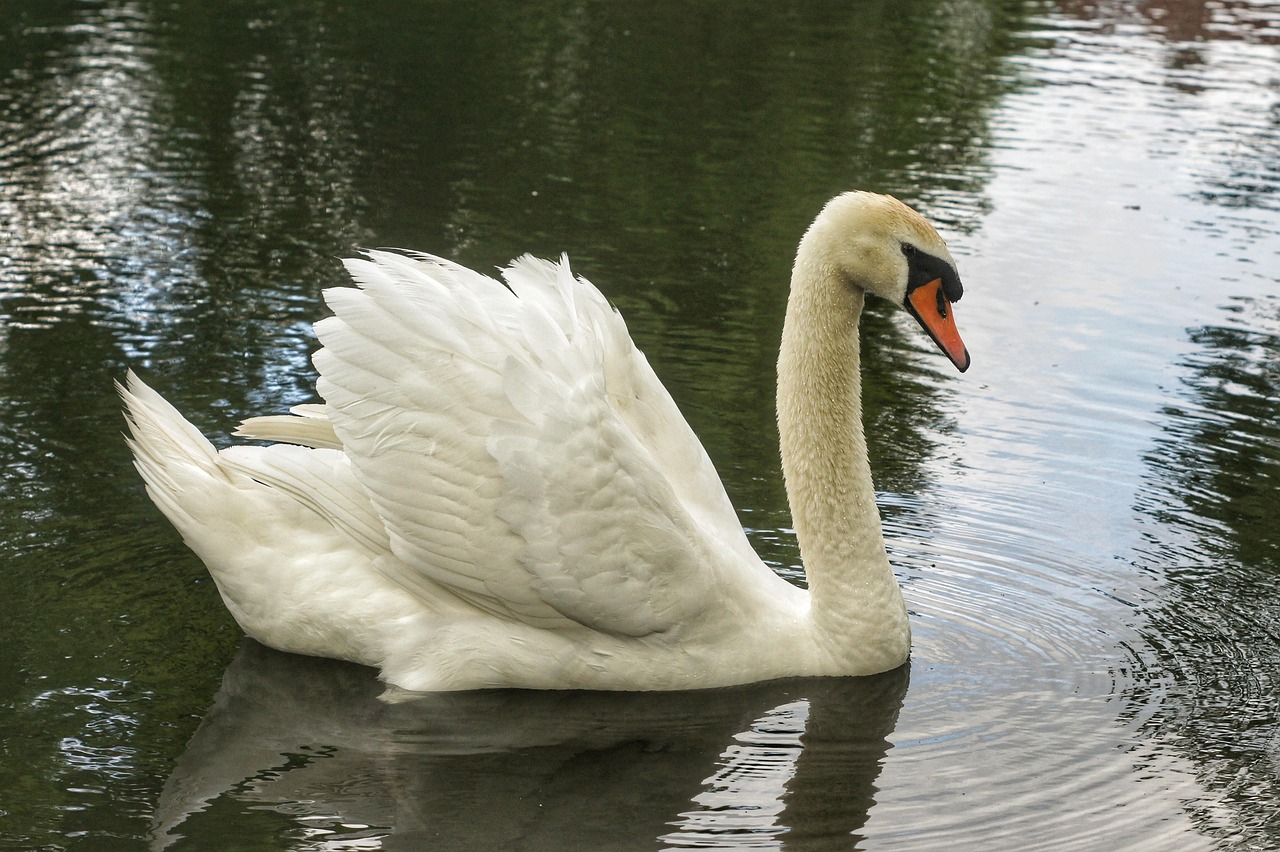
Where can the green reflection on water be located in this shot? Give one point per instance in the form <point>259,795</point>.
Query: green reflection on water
<point>180,176</point>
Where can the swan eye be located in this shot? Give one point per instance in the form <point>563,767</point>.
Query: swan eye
<point>909,250</point>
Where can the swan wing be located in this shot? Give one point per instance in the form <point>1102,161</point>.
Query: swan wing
<point>319,479</point>
<point>307,426</point>
<point>516,447</point>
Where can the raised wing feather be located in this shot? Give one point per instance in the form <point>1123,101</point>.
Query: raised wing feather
<point>321,480</point>
<point>518,448</point>
<point>307,426</point>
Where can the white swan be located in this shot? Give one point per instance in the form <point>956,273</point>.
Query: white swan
<point>498,491</point>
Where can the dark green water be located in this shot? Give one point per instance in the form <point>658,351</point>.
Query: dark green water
<point>1084,523</point>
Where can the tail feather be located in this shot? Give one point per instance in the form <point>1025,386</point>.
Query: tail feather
<point>164,444</point>
<point>245,510</point>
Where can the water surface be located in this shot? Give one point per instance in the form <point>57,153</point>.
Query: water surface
<point>1083,523</point>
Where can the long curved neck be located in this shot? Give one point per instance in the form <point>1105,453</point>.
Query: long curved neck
<point>857,607</point>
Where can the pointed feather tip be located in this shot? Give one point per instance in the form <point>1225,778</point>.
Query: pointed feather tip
<point>529,271</point>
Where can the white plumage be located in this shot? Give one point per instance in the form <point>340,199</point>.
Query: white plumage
<point>498,491</point>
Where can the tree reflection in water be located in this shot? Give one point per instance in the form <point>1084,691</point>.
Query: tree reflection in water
<point>1213,641</point>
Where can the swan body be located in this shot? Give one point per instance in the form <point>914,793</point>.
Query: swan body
<point>498,491</point>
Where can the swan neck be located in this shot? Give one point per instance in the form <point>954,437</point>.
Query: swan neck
<point>856,604</point>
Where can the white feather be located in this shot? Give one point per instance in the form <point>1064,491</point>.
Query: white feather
<point>498,491</point>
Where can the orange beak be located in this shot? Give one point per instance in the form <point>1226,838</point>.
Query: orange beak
<point>931,308</point>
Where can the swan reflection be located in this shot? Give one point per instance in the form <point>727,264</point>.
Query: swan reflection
<point>304,748</point>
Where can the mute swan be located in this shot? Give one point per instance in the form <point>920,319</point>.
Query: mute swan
<point>498,491</point>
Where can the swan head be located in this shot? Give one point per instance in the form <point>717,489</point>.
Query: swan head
<point>877,243</point>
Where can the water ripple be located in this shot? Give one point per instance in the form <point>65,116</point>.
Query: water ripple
<point>1000,609</point>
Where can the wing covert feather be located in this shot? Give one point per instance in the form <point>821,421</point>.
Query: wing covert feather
<point>517,447</point>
